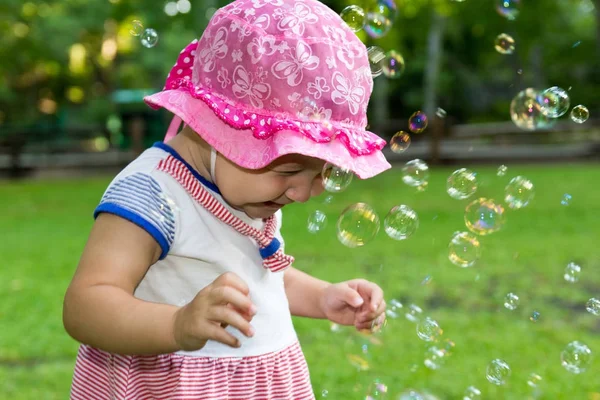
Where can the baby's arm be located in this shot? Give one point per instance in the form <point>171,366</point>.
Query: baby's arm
<point>99,307</point>
<point>304,293</point>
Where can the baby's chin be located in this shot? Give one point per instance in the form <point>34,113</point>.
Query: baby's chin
<point>261,210</point>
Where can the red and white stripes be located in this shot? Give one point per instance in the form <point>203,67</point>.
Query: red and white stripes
<point>276,262</point>
<point>103,376</point>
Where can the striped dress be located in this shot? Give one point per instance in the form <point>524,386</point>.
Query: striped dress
<point>196,248</point>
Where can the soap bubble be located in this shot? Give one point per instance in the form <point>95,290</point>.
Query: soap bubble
<point>415,173</point>
<point>472,393</point>
<point>511,301</point>
<point>497,372</point>
<point>526,111</point>
<point>484,216</point>
<point>554,102</point>
<point>593,306</point>
<point>324,393</point>
<point>461,184</point>
<point>354,17</point>
<point>357,225</point>
<point>580,114</point>
<point>566,199</point>
<point>393,64</point>
<point>440,112</point>
<point>502,170</point>
<point>317,221</point>
<point>417,122</point>
<point>376,60</point>
<point>464,249</point>
<point>519,192</point>
<point>429,330</point>
<point>336,179</point>
<point>435,358</point>
<point>508,8</point>
<point>400,142</point>
<point>504,44</point>
<point>377,25</point>
<point>533,380</point>
<point>136,28</point>
<point>376,390</point>
<point>413,313</point>
<point>401,222</point>
<point>393,309</point>
<point>572,272</point>
<point>410,394</point>
<point>535,316</point>
<point>576,357</point>
<point>149,38</point>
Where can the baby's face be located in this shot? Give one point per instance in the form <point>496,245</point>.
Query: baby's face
<point>260,193</point>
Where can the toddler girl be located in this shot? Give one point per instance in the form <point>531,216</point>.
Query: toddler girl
<point>183,290</point>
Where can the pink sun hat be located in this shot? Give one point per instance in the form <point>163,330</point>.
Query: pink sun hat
<point>274,77</point>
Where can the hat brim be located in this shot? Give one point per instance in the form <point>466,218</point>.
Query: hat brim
<point>247,151</point>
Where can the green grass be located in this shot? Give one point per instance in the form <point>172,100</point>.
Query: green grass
<point>45,225</point>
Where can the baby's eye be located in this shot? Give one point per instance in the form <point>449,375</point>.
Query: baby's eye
<point>288,172</point>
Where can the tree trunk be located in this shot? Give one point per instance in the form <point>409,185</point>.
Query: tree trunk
<point>432,72</point>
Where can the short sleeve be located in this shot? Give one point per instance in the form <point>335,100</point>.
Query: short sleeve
<point>139,198</point>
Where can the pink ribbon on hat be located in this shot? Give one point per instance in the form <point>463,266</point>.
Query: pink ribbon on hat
<point>273,256</point>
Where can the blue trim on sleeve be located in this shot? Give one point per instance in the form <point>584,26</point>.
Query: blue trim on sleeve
<point>139,221</point>
<point>171,151</point>
<point>271,249</point>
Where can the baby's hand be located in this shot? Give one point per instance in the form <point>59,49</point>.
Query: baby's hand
<point>224,302</point>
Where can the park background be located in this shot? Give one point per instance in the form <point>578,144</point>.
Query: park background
<point>71,81</point>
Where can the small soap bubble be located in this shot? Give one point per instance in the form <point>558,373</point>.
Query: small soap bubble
<point>358,362</point>
<point>461,184</point>
<point>400,142</point>
<point>440,112</point>
<point>554,101</point>
<point>376,59</point>
<point>401,222</point>
<point>502,170</point>
<point>504,44</point>
<point>464,249</point>
<point>357,225</point>
<point>426,280</point>
<point>534,380</point>
<point>149,38</point>
<point>324,393</point>
<point>334,327</point>
<point>136,28</point>
<point>519,192</point>
<point>497,372</point>
<point>434,358</point>
<point>572,272</point>
<point>535,316</point>
<point>328,199</point>
<point>429,330</point>
<point>410,394</point>
<point>317,221</point>
<point>393,309</point>
<point>415,173</point>
<point>593,306</point>
<point>566,199</point>
<point>508,8</point>
<point>472,393</point>
<point>376,390</point>
<point>576,357</point>
<point>413,313</point>
<point>393,64</point>
<point>354,17</point>
<point>526,111</point>
<point>511,301</point>
<point>417,122</point>
<point>484,216</point>
<point>377,25</point>
<point>336,179</point>
<point>580,114</point>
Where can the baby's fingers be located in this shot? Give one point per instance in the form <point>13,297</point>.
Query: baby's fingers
<point>225,315</point>
<point>219,334</point>
<point>233,298</point>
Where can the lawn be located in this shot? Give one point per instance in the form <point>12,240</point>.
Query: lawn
<point>45,225</point>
